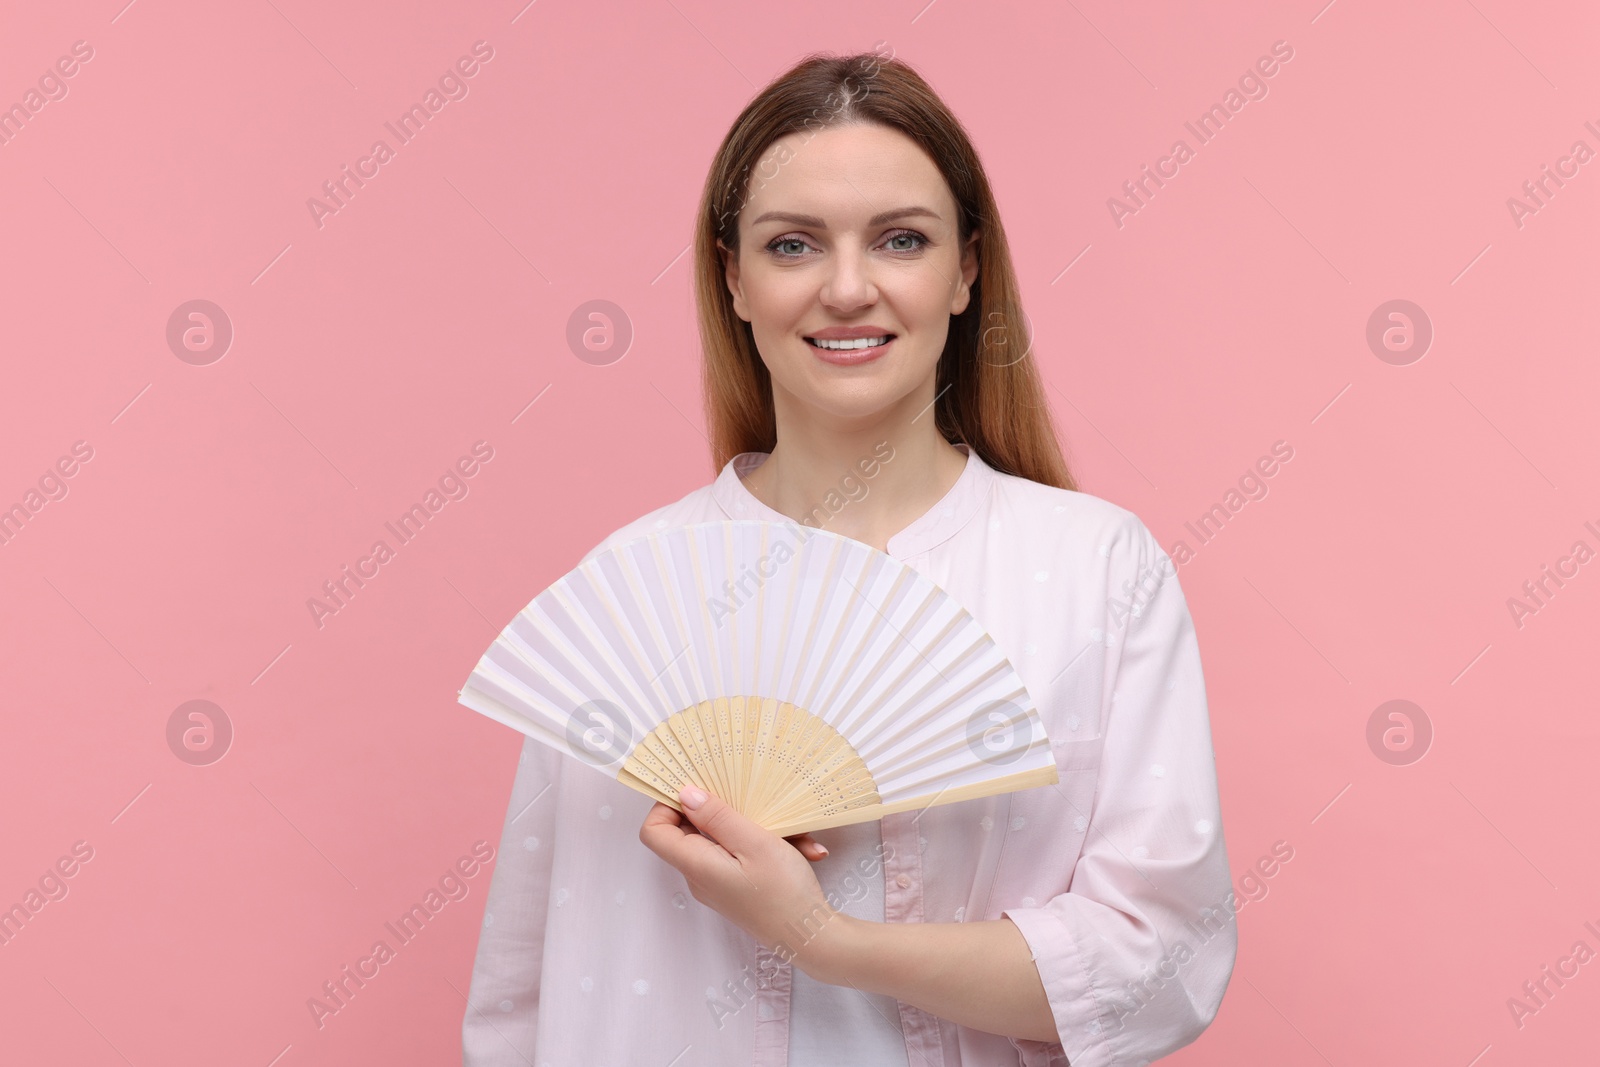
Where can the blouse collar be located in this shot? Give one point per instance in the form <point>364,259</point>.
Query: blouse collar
<point>935,526</point>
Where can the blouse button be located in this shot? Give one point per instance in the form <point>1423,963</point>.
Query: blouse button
<point>904,881</point>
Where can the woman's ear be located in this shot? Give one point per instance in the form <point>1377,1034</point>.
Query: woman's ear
<point>730,273</point>
<point>969,274</point>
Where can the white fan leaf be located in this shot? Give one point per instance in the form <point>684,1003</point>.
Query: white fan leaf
<point>803,676</point>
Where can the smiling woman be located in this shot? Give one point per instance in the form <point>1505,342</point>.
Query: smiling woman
<point>859,301</point>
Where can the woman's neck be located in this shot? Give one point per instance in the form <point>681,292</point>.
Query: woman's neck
<point>865,489</point>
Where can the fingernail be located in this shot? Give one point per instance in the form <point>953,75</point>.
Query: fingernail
<point>822,850</point>
<point>691,797</point>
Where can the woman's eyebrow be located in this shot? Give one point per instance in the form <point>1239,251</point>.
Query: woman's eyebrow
<point>812,221</point>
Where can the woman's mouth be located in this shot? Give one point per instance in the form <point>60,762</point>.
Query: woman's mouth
<point>850,353</point>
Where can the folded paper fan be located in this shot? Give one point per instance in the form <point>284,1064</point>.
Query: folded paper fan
<point>806,678</point>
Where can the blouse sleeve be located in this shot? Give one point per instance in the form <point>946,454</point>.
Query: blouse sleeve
<point>502,1017</point>
<point>1136,951</point>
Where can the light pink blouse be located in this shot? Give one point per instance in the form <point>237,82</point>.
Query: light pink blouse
<point>594,953</point>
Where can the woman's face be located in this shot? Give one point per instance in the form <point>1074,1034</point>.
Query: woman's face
<point>850,227</point>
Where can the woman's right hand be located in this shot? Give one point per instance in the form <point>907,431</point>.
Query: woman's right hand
<point>808,846</point>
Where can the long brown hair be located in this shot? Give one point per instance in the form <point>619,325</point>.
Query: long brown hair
<point>995,400</point>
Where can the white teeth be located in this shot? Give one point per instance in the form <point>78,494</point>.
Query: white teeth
<point>860,342</point>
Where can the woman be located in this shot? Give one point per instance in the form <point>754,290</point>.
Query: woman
<point>866,372</point>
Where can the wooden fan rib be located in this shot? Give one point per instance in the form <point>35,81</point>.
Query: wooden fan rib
<point>597,665</point>
<point>838,710</point>
<point>494,703</point>
<point>791,606</point>
<point>868,723</point>
<point>957,663</point>
<point>843,598</point>
<point>917,768</point>
<point>766,678</point>
<point>758,648</point>
<point>817,766</point>
<point>839,603</point>
<point>676,737</point>
<point>662,601</point>
<point>708,644</point>
<point>804,667</point>
<point>993,787</point>
<point>658,785</point>
<point>679,744</point>
<point>750,765</point>
<point>682,735</point>
<point>797,732</point>
<point>685,740</point>
<point>691,732</point>
<point>661,752</point>
<point>770,786</point>
<point>524,684</point>
<point>665,548</point>
<point>883,745</point>
<point>728,745</point>
<point>612,634</point>
<point>1035,758</point>
<point>650,617</point>
<point>545,686</point>
<point>630,780</point>
<point>787,729</point>
<point>721,761</point>
<point>862,708</point>
<point>731,680</point>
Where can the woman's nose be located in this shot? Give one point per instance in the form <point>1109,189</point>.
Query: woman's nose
<point>849,284</point>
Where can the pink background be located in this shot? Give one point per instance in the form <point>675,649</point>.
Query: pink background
<point>1229,313</point>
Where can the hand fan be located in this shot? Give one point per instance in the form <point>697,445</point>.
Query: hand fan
<point>805,677</point>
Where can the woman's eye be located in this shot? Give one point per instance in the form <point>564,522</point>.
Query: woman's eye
<point>910,235</point>
<point>794,247</point>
